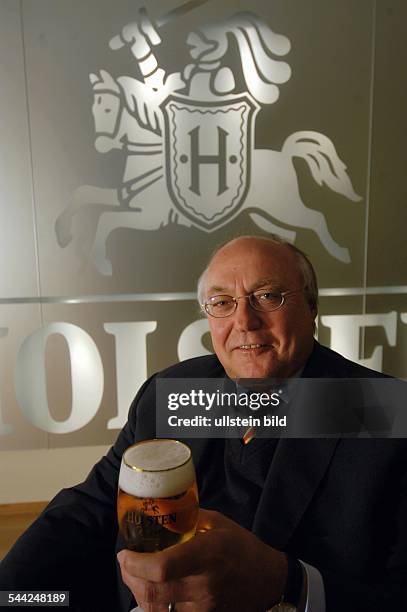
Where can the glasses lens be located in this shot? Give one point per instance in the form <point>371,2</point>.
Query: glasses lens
<point>266,300</point>
<point>220,306</point>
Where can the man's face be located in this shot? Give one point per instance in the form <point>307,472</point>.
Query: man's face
<point>251,343</point>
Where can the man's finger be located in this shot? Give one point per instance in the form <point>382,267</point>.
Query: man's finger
<point>180,607</point>
<point>147,607</point>
<point>184,590</point>
<point>210,519</point>
<point>177,561</point>
<point>170,564</point>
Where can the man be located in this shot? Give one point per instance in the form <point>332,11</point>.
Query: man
<point>336,504</point>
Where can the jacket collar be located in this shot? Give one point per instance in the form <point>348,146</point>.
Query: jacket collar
<point>296,471</point>
<point>297,468</point>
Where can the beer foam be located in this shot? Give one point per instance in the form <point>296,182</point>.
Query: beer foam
<point>156,475</point>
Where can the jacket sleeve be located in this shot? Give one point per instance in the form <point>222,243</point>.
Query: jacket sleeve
<point>71,546</point>
<point>385,588</point>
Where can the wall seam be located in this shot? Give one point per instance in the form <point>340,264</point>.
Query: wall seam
<point>369,171</point>
<point>31,162</point>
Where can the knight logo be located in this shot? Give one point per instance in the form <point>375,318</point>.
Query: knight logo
<point>188,138</point>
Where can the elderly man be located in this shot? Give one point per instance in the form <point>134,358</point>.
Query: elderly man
<point>338,505</point>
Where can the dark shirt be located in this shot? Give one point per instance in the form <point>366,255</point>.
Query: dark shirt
<point>236,476</point>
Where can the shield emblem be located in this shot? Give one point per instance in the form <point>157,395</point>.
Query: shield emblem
<point>208,149</point>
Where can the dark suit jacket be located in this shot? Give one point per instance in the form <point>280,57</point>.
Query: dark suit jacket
<point>338,504</point>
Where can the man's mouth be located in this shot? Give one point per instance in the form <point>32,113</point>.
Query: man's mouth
<point>250,347</point>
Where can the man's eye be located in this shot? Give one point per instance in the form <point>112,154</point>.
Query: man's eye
<point>220,302</point>
<point>267,296</point>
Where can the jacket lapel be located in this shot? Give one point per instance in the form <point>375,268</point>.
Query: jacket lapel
<point>297,468</point>
<point>296,471</point>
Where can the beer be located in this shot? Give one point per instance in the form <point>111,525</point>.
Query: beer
<point>157,500</point>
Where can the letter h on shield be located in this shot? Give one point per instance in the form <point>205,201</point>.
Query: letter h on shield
<point>197,159</point>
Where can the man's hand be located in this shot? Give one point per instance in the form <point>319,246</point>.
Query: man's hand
<point>225,568</point>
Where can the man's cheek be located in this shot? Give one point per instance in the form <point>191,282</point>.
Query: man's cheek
<point>221,341</point>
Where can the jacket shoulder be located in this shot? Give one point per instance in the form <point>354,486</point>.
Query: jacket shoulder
<point>207,366</point>
<point>324,362</point>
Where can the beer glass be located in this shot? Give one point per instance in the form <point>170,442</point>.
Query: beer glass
<point>157,501</point>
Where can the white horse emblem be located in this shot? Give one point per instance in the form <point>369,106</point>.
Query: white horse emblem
<point>189,143</point>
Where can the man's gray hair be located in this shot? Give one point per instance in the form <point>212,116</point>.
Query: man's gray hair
<point>310,283</point>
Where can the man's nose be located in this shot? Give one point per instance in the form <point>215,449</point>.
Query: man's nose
<point>246,317</point>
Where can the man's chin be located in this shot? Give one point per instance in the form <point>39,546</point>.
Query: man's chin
<point>243,369</point>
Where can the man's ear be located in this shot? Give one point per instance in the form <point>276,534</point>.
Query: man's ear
<point>314,313</point>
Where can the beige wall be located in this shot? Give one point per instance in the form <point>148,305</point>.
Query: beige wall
<point>37,475</point>
<point>94,301</point>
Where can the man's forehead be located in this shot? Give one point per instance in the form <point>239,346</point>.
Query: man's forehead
<point>220,283</point>
<point>264,259</point>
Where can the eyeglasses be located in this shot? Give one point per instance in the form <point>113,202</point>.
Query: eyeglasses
<point>220,306</point>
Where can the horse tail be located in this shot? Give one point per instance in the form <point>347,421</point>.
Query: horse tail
<point>323,161</point>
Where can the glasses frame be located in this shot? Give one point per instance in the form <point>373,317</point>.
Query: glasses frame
<point>249,296</point>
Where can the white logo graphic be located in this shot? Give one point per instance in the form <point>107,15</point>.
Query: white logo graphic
<point>189,142</point>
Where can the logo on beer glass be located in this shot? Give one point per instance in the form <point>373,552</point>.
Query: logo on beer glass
<point>188,139</point>
<point>157,501</point>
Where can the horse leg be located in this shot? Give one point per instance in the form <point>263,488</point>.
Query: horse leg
<point>315,221</point>
<point>107,223</point>
<point>274,193</point>
<point>133,219</point>
<point>262,220</point>
<point>82,198</point>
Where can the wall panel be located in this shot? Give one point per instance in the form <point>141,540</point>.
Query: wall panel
<point>108,262</point>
